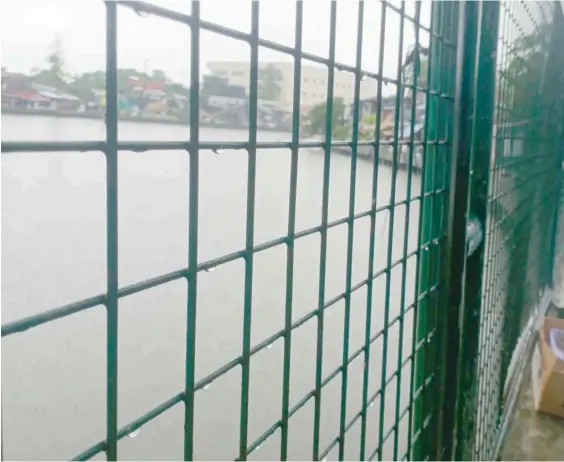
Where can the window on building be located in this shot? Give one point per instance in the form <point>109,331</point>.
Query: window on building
<point>306,80</point>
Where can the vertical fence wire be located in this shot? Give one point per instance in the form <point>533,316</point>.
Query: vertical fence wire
<point>391,214</point>
<point>249,241</point>
<point>370,283</point>
<point>192,277</point>
<point>413,105</point>
<point>291,231</point>
<point>112,229</point>
<point>323,231</point>
<point>350,234</point>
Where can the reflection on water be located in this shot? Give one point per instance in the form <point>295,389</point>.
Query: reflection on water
<point>53,247</point>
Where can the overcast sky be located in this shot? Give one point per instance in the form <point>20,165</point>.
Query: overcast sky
<point>29,28</point>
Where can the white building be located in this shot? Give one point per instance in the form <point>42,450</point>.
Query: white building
<point>313,84</point>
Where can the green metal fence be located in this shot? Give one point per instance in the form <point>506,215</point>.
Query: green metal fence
<point>522,212</point>
<point>494,71</point>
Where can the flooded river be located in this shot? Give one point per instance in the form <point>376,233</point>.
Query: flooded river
<point>53,253</point>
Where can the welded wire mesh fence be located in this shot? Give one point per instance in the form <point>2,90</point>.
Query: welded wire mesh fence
<point>431,386</point>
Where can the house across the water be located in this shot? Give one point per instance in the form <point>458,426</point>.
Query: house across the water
<point>20,92</point>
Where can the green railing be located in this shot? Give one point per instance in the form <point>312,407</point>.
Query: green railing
<point>492,72</point>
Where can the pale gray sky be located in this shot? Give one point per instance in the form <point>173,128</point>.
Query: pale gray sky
<point>28,29</point>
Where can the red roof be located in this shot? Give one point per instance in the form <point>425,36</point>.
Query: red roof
<point>29,96</point>
<point>152,85</point>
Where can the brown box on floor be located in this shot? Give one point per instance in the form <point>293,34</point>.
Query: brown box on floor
<point>548,372</point>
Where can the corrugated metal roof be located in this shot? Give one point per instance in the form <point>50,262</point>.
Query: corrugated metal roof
<point>57,95</point>
<point>53,93</point>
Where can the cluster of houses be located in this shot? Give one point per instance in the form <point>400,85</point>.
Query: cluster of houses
<point>367,110</point>
<point>150,98</point>
<point>221,103</point>
<point>137,98</point>
<point>225,103</point>
<point>388,105</point>
<point>20,92</point>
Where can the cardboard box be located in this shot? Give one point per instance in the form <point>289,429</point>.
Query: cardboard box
<point>548,372</point>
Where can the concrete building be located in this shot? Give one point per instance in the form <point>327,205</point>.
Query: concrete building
<point>313,85</point>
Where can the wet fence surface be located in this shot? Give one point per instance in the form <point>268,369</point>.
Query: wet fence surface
<point>302,303</point>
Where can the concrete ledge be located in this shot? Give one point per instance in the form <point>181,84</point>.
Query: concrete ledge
<point>529,435</point>
<point>532,435</point>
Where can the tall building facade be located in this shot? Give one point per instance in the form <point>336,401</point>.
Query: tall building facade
<point>313,84</point>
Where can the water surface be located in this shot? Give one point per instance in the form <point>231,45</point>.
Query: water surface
<point>54,252</point>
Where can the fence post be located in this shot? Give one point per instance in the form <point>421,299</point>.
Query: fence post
<point>425,231</point>
<point>428,383</point>
<point>112,253</point>
<point>454,262</point>
<point>480,160</point>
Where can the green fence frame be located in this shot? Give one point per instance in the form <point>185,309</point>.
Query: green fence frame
<point>470,98</point>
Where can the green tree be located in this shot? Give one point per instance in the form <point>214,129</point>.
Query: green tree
<point>368,119</point>
<point>159,75</point>
<point>423,71</point>
<point>415,65</point>
<point>54,75</point>
<point>269,83</point>
<point>528,58</point>
<point>315,119</point>
<point>416,62</point>
<point>83,84</point>
<point>521,106</point>
<point>367,126</point>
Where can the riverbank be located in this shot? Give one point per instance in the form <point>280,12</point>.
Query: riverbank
<point>128,118</point>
